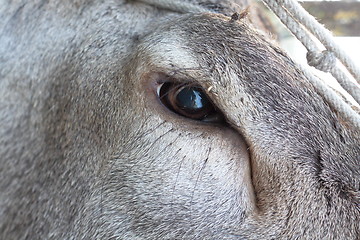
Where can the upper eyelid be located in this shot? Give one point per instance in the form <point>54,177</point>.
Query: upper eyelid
<point>183,75</point>
<point>178,78</point>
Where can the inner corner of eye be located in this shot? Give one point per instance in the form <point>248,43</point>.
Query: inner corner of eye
<point>158,89</point>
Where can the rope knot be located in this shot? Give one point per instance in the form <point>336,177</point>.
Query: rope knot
<point>324,61</point>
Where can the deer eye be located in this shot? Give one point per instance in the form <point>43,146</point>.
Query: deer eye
<point>189,101</point>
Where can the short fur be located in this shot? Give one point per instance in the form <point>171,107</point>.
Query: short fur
<point>87,150</point>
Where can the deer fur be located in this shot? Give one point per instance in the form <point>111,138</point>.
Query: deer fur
<point>88,151</point>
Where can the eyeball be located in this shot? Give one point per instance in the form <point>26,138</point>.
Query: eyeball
<point>189,101</point>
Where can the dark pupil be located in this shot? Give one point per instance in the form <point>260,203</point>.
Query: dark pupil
<point>192,99</point>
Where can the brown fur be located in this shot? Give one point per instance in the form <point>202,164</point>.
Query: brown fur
<point>87,150</point>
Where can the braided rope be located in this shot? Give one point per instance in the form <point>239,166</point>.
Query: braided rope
<point>300,23</point>
<point>321,33</point>
<point>322,60</point>
<point>332,98</point>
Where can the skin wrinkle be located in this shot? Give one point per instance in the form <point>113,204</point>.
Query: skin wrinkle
<point>87,150</point>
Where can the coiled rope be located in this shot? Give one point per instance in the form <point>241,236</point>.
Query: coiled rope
<point>304,27</point>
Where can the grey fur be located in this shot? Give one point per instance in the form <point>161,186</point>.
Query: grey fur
<point>89,152</point>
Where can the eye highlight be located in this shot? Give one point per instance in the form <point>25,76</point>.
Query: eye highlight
<point>189,101</point>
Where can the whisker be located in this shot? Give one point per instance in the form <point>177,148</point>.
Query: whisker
<point>198,178</point>
<point>176,180</point>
